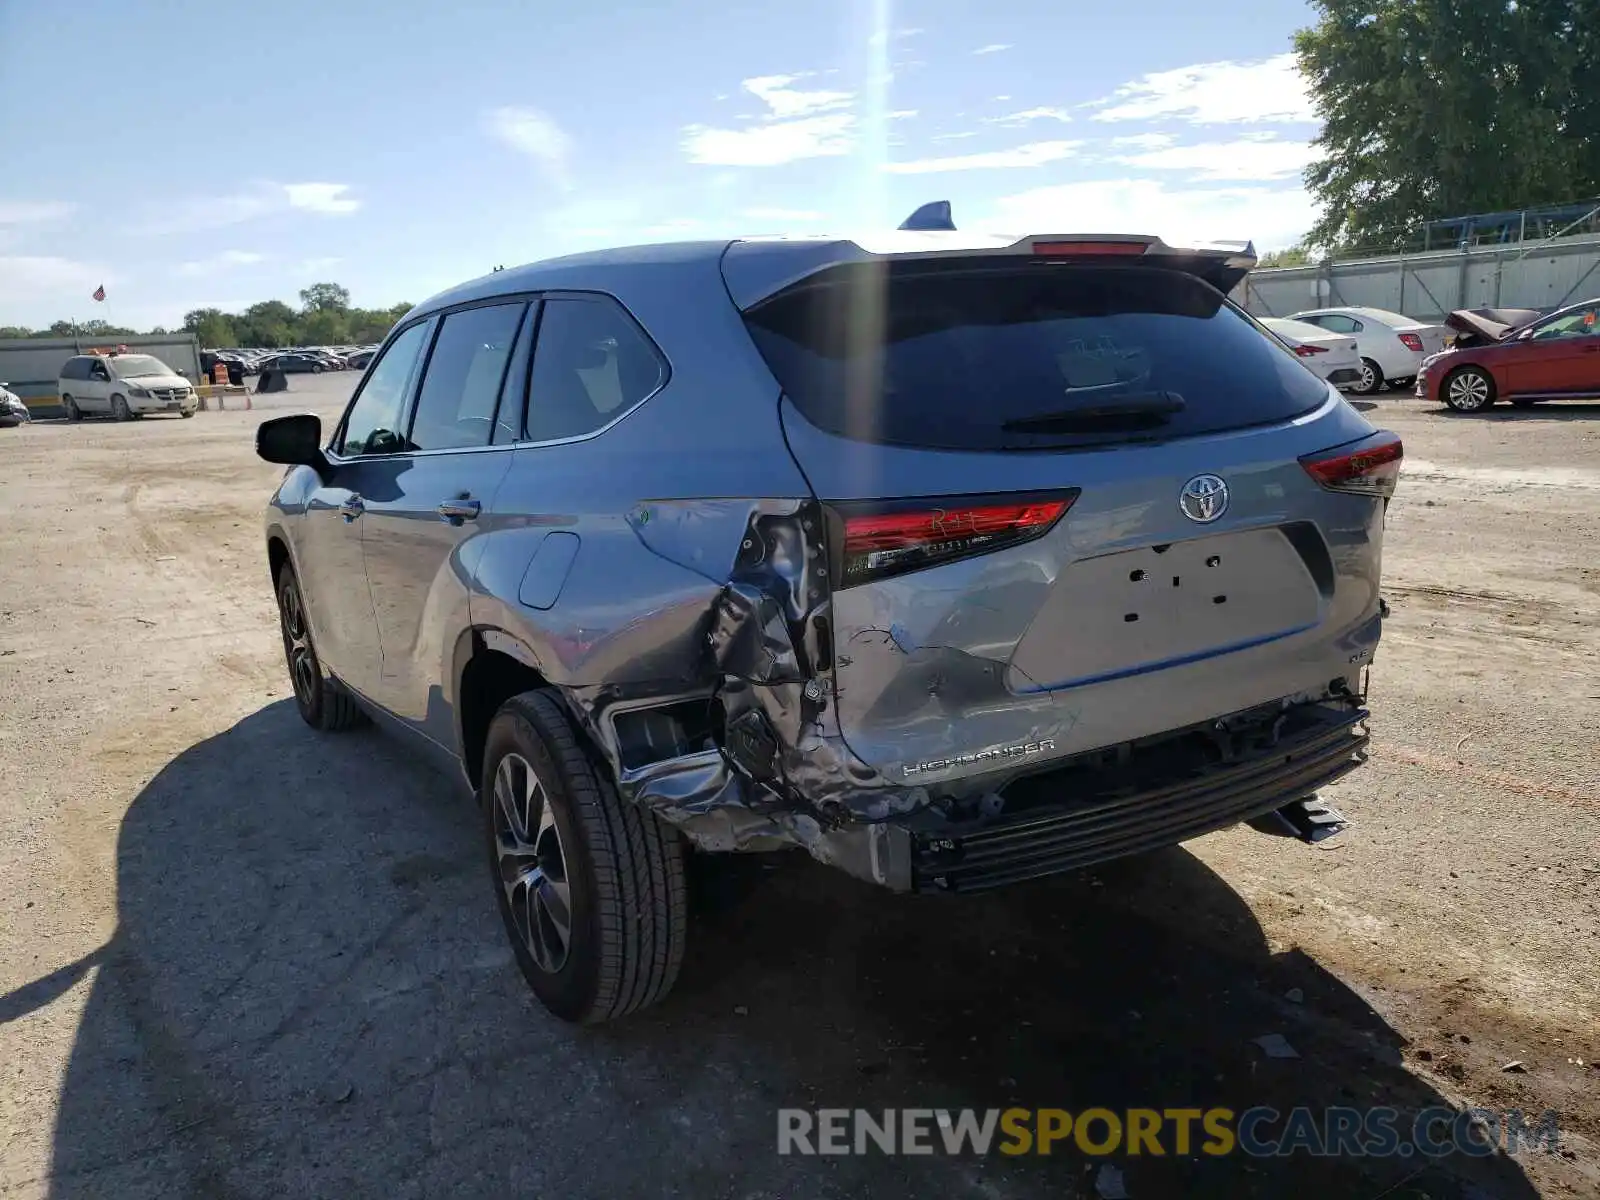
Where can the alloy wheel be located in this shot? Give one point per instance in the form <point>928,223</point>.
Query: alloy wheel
<point>533,863</point>
<point>1467,391</point>
<point>1369,378</point>
<point>304,672</point>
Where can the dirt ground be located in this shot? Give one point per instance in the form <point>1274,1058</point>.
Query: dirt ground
<point>239,959</point>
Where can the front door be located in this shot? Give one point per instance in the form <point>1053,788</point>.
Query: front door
<point>422,533</point>
<point>333,579</point>
<point>97,389</point>
<point>1562,358</point>
<point>366,456</point>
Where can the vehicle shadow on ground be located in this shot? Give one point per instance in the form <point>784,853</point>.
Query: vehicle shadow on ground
<point>309,994</point>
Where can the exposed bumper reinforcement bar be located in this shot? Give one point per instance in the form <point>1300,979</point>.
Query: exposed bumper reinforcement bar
<point>1094,827</point>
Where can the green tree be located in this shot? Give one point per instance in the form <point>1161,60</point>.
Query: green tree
<point>1295,256</point>
<point>1439,108</point>
<point>324,327</point>
<point>15,331</point>
<point>325,297</point>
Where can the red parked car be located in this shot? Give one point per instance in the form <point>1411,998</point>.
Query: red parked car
<point>1556,357</point>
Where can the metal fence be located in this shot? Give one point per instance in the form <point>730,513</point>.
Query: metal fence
<point>1427,286</point>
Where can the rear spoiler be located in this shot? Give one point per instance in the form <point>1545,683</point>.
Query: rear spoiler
<point>756,269</point>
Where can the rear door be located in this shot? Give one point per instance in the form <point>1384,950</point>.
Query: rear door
<point>1066,507</point>
<point>421,536</point>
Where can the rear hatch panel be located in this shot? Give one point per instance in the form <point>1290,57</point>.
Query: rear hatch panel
<point>1004,661</point>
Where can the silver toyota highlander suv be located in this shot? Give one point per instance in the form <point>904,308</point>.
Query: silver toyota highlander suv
<point>954,561</point>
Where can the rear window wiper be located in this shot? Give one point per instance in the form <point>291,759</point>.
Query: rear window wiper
<point>1137,411</point>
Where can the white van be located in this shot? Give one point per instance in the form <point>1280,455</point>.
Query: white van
<point>124,385</point>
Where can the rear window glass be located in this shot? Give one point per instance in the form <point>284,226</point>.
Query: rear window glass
<point>1010,358</point>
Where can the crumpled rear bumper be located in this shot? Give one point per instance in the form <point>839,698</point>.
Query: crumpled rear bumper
<point>1080,815</point>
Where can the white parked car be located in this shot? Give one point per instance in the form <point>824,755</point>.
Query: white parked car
<point>13,411</point>
<point>124,385</point>
<point>1334,356</point>
<point>1392,345</point>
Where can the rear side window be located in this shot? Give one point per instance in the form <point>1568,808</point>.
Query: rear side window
<point>456,403</point>
<point>1010,358</point>
<point>591,364</point>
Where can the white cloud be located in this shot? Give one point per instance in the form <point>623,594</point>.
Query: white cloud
<point>1033,154</point>
<point>44,282</point>
<point>536,134</point>
<point>951,137</point>
<point>1214,93</point>
<point>798,124</point>
<point>993,48</point>
<point>33,212</point>
<point>328,198</point>
<point>1144,141</point>
<point>902,114</point>
<point>795,215</point>
<point>772,145</point>
<point>786,102</point>
<point>1246,158</point>
<point>248,204</point>
<point>218,262</point>
<point>1031,114</point>
<point>312,265</point>
<point>1272,217</point>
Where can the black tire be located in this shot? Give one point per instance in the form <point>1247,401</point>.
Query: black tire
<point>186,413</point>
<point>70,407</point>
<point>120,410</point>
<point>316,368</point>
<point>321,700</point>
<point>1371,381</point>
<point>622,869</point>
<point>1468,389</point>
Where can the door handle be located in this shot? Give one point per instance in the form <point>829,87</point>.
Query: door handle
<point>459,510</point>
<point>351,509</point>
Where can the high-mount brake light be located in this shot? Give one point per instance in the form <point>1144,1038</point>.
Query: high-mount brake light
<point>1089,249</point>
<point>1370,467</point>
<point>909,536</point>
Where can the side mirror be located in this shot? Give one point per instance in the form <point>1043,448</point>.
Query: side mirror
<point>295,441</point>
<point>1524,335</point>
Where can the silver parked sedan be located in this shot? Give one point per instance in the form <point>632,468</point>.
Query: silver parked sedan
<point>951,560</point>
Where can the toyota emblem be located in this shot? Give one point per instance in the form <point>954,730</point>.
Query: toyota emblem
<point>1204,498</point>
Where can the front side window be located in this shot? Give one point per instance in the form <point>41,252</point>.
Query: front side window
<point>1581,323</point>
<point>98,370</point>
<point>456,402</point>
<point>591,364</point>
<point>374,425</point>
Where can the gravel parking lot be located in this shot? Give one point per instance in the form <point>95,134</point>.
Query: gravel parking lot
<point>239,959</point>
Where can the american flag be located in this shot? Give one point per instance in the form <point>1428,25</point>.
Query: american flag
<point>100,292</point>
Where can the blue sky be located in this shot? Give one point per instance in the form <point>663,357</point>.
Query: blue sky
<point>219,153</point>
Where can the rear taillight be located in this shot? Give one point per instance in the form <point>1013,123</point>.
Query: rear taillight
<point>1411,342</point>
<point>1370,467</point>
<point>876,540</point>
<point>1305,351</point>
